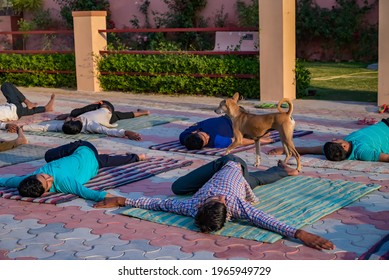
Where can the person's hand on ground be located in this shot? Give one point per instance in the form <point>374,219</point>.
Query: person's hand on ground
<point>110,202</point>
<point>314,241</point>
<point>12,128</point>
<point>276,151</point>
<point>132,135</point>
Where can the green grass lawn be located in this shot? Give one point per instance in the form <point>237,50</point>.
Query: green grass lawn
<point>343,81</point>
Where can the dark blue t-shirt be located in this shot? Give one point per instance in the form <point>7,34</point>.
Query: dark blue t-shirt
<point>219,129</point>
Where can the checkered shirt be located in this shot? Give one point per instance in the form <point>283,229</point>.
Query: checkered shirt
<point>239,197</point>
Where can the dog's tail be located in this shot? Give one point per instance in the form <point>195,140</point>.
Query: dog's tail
<point>287,100</point>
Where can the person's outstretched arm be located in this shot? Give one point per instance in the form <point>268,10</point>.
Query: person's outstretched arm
<point>180,207</point>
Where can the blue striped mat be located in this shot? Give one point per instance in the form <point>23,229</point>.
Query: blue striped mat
<point>295,200</point>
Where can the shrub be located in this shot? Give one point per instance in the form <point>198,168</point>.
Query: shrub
<point>154,75</point>
<point>37,64</point>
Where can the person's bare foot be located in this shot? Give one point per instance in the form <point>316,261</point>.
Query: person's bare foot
<point>141,112</point>
<point>142,157</point>
<point>276,151</point>
<point>21,137</point>
<point>313,240</point>
<point>30,104</point>
<point>291,171</point>
<point>50,105</point>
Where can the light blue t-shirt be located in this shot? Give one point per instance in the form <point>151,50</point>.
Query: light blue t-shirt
<point>369,142</point>
<point>70,173</point>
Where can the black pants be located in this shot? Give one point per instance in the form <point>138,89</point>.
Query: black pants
<point>194,180</point>
<point>103,159</point>
<point>14,96</point>
<point>116,115</point>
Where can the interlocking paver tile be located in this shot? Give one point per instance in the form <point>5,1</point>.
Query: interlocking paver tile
<point>143,245</point>
<point>69,244</point>
<point>54,227</point>
<point>31,250</point>
<point>203,256</point>
<point>167,253</point>
<point>62,255</point>
<point>132,254</point>
<point>10,243</point>
<point>99,252</point>
<point>112,239</point>
<point>47,238</point>
<point>78,233</point>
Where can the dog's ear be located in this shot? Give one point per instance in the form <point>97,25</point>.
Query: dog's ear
<point>236,96</point>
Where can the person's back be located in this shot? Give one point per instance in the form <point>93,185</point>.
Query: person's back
<point>369,142</point>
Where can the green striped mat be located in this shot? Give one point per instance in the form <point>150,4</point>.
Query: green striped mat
<point>295,200</point>
<point>128,124</point>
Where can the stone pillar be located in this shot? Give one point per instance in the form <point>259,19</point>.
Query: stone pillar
<point>383,54</point>
<point>277,39</point>
<point>87,44</point>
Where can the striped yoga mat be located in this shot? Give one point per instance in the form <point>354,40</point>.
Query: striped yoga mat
<point>175,146</point>
<point>107,178</point>
<point>128,124</point>
<point>295,200</point>
<point>379,251</point>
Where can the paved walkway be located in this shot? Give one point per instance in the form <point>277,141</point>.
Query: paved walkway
<point>75,230</point>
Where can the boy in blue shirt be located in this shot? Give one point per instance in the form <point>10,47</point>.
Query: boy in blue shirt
<point>68,168</point>
<point>367,144</point>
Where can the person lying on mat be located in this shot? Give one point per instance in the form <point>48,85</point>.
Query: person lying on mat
<point>212,133</point>
<point>68,168</point>
<point>367,144</point>
<point>14,108</point>
<point>223,190</point>
<point>6,145</point>
<point>99,117</point>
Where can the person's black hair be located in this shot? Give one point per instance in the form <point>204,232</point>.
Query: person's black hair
<point>72,127</point>
<point>193,142</point>
<point>336,152</point>
<point>31,187</point>
<point>211,216</point>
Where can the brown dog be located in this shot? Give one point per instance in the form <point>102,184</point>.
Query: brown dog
<point>255,126</point>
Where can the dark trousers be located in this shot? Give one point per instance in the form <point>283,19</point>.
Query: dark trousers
<point>104,160</point>
<point>194,180</point>
<point>116,115</point>
<point>14,96</point>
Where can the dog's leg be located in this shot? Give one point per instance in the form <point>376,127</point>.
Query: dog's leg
<point>238,137</point>
<point>257,153</point>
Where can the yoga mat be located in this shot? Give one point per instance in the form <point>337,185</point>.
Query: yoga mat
<point>107,178</point>
<point>379,251</point>
<point>175,146</point>
<point>23,153</point>
<point>295,200</point>
<point>128,124</point>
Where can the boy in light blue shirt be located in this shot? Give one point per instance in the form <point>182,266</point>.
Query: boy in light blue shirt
<point>68,168</point>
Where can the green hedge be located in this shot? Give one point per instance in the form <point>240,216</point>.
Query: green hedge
<point>182,66</point>
<point>38,63</point>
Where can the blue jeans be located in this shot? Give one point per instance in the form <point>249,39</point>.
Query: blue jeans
<point>194,180</point>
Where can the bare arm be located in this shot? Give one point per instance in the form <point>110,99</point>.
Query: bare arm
<point>384,157</point>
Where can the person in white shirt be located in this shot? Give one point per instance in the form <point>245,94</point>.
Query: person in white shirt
<point>99,117</point>
<point>14,108</point>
